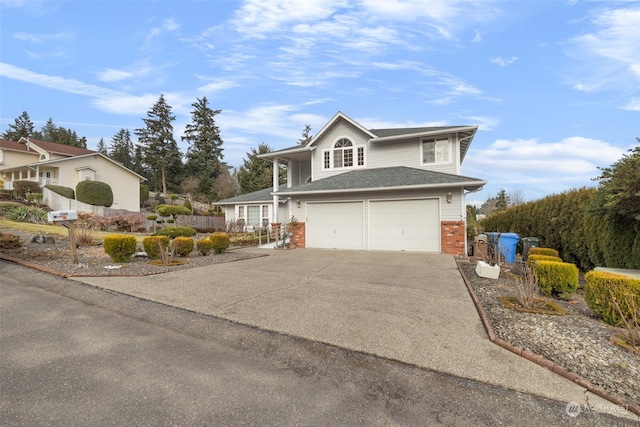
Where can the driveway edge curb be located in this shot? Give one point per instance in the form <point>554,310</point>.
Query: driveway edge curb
<point>538,359</point>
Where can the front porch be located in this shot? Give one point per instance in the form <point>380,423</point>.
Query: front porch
<point>41,176</point>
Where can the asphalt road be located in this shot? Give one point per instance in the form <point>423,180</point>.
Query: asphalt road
<point>74,355</point>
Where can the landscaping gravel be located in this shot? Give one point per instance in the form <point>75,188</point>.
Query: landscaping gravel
<point>578,341</point>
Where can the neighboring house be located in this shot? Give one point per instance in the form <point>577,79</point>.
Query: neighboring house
<point>50,163</point>
<point>369,189</point>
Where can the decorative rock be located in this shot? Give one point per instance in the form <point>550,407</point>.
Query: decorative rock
<point>43,238</point>
<point>483,269</point>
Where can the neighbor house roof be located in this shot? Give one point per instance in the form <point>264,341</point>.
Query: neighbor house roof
<point>255,197</point>
<point>53,147</point>
<point>400,177</point>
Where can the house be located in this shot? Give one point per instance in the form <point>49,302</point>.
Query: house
<point>50,163</point>
<point>368,189</point>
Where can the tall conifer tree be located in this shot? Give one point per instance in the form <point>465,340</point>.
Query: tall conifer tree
<point>204,155</point>
<point>161,154</point>
<point>21,127</point>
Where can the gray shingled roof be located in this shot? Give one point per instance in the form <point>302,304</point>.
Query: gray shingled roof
<point>401,177</point>
<point>256,196</point>
<point>383,133</point>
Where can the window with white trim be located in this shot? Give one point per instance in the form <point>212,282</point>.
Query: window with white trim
<point>436,150</point>
<point>254,215</point>
<point>343,154</point>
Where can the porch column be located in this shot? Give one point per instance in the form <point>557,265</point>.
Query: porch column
<point>276,183</point>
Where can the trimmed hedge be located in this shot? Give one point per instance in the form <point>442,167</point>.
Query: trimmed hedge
<point>21,188</point>
<point>182,245</point>
<point>220,242</point>
<point>154,244</point>
<point>556,278</point>
<point>565,223</point>
<point>63,191</point>
<point>174,231</point>
<point>534,258</point>
<point>204,246</point>
<point>94,193</point>
<point>598,296</point>
<point>120,247</point>
<point>544,251</point>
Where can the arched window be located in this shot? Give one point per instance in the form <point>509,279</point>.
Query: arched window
<point>342,153</point>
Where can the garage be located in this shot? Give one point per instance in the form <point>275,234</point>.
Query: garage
<point>336,225</point>
<point>405,225</point>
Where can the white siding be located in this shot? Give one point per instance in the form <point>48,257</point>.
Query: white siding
<point>341,129</point>
<point>407,153</point>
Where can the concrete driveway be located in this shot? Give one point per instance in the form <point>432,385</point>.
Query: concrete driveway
<point>411,307</point>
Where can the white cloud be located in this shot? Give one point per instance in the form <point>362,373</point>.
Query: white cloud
<point>550,166</point>
<point>633,105</point>
<point>217,86</point>
<point>257,17</point>
<point>43,38</point>
<point>502,62</point>
<point>484,123</point>
<point>609,55</point>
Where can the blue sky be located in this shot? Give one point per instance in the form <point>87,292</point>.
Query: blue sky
<point>553,85</point>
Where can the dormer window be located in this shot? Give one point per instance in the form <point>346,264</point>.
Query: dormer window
<point>343,154</point>
<point>436,150</point>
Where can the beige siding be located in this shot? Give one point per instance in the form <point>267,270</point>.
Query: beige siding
<point>13,159</point>
<point>407,153</point>
<point>125,185</point>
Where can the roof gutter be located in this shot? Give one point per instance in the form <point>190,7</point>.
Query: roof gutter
<point>475,185</point>
<point>420,134</point>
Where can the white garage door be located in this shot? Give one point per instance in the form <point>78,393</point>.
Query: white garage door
<point>334,225</point>
<point>406,225</point>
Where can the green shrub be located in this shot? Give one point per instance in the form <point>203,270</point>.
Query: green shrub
<point>544,252</point>
<point>21,188</point>
<point>35,198</point>
<point>6,207</point>
<point>598,295</point>
<point>172,211</point>
<point>94,193</point>
<point>204,246</point>
<point>154,244</point>
<point>220,242</point>
<point>556,278</point>
<point>182,245</point>
<point>144,193</point>
<point>534,258</point>
<point>63,191</point>
<point>174,231</point>
<point>120,247</point>
<point>32,214</point>
<point>187,204</point>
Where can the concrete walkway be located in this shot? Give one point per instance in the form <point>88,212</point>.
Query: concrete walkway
<point>410,307</point>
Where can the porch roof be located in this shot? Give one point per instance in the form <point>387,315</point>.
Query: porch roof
<point>380,179</point>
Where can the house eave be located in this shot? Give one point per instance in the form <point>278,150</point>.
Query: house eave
<point>426,133</point>
<point>468,185</point>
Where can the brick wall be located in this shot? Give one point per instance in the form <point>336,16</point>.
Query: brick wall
<point>453,235</point>
<point>298,232</point>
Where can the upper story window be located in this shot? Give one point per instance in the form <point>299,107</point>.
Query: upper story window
<point>344,154</point>
<point>436,150</point>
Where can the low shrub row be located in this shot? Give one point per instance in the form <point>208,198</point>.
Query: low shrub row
<point>120,248</point>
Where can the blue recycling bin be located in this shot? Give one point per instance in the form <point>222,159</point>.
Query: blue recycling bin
<point>508,243</point>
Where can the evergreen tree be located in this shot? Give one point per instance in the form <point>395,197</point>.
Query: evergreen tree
<point>138,161</point>
<point>161,154</point>
<point>502,200</point>
<point>122,149</point>
<point>306,135</point>
<point>52,133</point>
<point>256,173</point>
<point>618,195</point>
<point>21,127</point>
<point>102,148</point>
<point>204,155</point>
